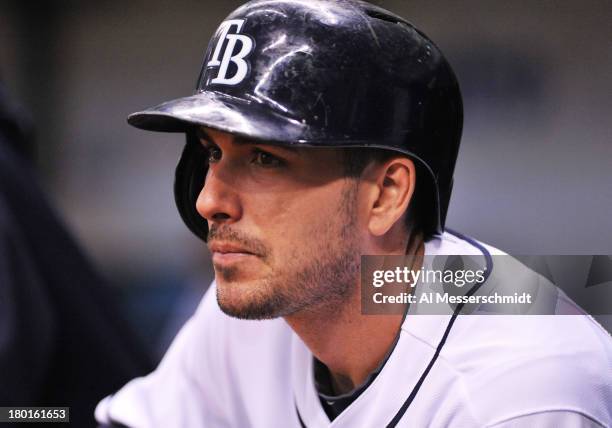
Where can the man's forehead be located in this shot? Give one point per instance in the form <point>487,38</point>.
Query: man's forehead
<point>214,136</point>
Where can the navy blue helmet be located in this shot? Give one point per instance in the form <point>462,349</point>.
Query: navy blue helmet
<point>319,73</point>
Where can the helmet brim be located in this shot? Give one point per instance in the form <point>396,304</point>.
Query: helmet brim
<point>219,112</point>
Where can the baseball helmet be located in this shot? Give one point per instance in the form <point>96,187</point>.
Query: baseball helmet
<point>319,73</point>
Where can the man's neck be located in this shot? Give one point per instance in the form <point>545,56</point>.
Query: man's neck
<point>349,343</point>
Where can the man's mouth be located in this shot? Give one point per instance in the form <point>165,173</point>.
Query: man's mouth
<point>226,253</point>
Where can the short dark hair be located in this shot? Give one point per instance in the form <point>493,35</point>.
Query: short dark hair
<point>420,217</point>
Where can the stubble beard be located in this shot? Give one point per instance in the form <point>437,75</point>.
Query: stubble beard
<point>322,277</point>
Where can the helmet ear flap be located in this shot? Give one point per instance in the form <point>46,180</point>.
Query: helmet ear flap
<point>188,183</point>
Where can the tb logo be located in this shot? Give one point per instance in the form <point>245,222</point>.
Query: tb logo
<point>231,54</point>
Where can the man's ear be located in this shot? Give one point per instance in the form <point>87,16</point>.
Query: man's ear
<point>391,189</point>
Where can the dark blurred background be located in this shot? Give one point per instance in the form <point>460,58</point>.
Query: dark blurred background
<point>533,175</point>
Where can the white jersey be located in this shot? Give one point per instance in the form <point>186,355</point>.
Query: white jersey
<point>445,371</point>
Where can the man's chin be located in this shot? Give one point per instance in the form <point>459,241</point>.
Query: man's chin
<point>242,300</point>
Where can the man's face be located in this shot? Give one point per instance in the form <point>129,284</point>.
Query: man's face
<point>283,227</point>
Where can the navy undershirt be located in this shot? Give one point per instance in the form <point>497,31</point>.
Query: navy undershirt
<point>334,404</point>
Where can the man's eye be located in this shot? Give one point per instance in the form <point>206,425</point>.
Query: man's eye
<point>214,154</point>
<point>266,159</point>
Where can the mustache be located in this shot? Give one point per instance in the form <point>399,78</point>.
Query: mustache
<point>229,235</point>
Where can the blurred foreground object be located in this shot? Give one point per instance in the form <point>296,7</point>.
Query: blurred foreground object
<point>61,342</point>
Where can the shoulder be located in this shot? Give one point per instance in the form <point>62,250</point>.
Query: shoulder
<point>511,366</point>
<point>211,341</point>
<point>210,362</point>
<point>514,365</point>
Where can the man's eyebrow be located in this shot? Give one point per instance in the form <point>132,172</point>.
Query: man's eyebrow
<point>243,140</point>
<point>206,139</point>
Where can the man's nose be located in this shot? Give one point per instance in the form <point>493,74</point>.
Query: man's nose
<point>219,201</point>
